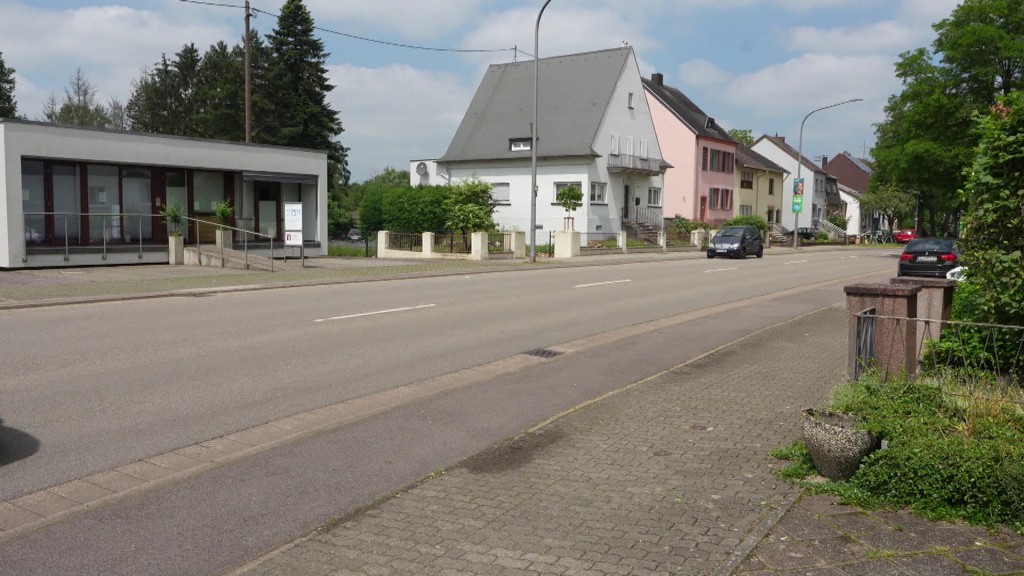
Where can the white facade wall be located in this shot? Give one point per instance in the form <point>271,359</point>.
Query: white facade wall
<point>814,186</point>
<point>853,212</point>
<point>30,140</point>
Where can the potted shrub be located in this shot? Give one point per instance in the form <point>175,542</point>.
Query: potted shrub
<point>836,442</point>
<point>224,213</point>
<point>174,216</point>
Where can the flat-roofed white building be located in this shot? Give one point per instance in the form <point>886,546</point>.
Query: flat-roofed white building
<point>72,196</point>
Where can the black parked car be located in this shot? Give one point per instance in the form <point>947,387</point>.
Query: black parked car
<point>736,242</point>
<point>928,257</point>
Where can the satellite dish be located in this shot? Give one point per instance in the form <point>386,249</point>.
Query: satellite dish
<point>421,168</point>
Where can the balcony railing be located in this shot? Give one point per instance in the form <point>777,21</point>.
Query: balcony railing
<point>628,162</point>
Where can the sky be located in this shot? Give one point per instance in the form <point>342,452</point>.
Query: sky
<point>760,65</point>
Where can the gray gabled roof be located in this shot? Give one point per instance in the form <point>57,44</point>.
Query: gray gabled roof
<point>748,157</point>
<point>859,163</point>
<point>781,144</point>
<point>574,92</point>
<point>685,109</point>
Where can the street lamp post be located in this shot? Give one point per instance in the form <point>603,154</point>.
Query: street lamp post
<point>533,135</point>
<point>800,163</point>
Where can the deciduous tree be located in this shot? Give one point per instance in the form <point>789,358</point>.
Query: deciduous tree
<point>926,140</point>
<point>8,103</point>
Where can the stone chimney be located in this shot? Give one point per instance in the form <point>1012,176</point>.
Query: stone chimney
<point>658,79</point>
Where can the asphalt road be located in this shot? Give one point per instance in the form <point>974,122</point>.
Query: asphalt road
<point>106,384</point>
<point>101,385</point>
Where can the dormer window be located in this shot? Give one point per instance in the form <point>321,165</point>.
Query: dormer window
<point>520,144</point>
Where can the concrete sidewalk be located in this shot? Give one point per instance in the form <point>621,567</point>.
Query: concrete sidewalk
<point>669,476</point>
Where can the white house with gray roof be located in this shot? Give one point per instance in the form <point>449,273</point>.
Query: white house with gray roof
<point>595,130</point>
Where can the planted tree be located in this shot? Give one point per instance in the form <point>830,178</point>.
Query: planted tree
<point>569,197</point>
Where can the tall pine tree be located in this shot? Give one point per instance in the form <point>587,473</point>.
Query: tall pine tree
<point>8,104</point>
<point>299,88</point>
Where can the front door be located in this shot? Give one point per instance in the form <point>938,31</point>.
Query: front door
<point>268,208</point>
<point>626,201</point>
<point>703,208</point>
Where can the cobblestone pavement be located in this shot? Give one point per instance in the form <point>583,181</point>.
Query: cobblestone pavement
<point>819,537</point>
<point>670,476</point>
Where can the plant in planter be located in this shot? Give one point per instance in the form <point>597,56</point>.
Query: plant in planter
<point>836,443</point>
<point>223,236</point>
<point>225,211</point>
<point>174,216</point>
<point>569,197</point>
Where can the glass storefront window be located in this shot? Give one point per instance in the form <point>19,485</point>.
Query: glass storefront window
<point>67,203</point>
<point>104,204</point>
<point>209,191</point>
<point>136,184</point>
<point>33,200</point>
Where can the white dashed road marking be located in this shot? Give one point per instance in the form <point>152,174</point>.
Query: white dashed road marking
<point>406,309</point>
<point>601,283</point>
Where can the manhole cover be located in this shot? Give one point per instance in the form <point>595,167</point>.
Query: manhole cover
<point>543,353</point>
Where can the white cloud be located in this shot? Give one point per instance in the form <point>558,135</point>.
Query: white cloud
<point>434,19</point>
<point>927,12</point>
<point>396,113</point>
<point>703,74</point>
<point>810,81</point>
<point>47,46</point>
<point>562,31</point>
<point>813,5</point>
<point>888,37</point>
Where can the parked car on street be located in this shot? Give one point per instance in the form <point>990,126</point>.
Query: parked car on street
<point>353,234</point>
<point>736,242</point>
<point>904,236</point>
<point>933,257</point>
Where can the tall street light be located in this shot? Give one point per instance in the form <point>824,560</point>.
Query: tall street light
<point>800,163</point>
<point>533,144</point>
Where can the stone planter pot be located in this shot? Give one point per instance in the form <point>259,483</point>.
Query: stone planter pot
<point>835,444</point>
<point>175,250</point>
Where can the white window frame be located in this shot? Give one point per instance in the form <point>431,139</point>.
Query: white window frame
<point>654,196</point>
<point>507,200</point>
<point>558,186</point>
<point>643,148</point>
<point>629,145</point>
<point>615,145</point>
<point>520,144</point>
<point>598,193</point>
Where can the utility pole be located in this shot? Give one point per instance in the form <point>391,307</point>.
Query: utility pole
<point>248,79</point>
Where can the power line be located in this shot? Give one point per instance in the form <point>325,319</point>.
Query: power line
<point>397,44</point>
<point>514,49</point>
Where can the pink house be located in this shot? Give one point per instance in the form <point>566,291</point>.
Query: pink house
<point>700,186</point>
